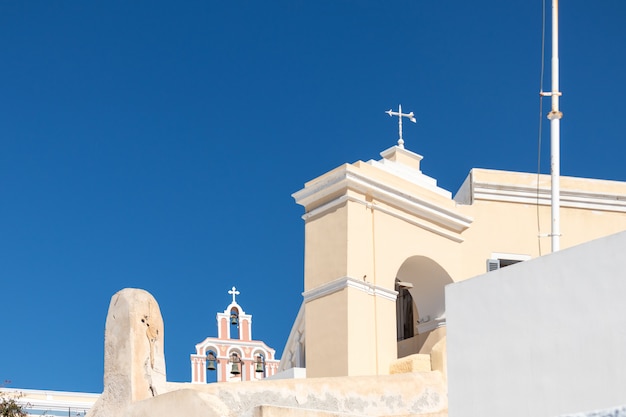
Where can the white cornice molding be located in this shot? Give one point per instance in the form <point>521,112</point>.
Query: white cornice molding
<point>395,213</point>
<point>329,206</point>
<point>528,195</point>
<point>214,341</point>
<point>349,282</point>
<point>411,205</point>
<point>407,172</point>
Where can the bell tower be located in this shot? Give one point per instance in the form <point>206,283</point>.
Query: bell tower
<point>363,221</point>
<point>233,354</point>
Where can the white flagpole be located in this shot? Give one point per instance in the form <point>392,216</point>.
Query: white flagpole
<point>555,116</point>
<point>555,132</point>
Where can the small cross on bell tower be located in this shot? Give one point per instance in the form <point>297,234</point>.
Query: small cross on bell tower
<point>234,293</point>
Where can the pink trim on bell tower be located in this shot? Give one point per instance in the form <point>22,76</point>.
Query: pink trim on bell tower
<point>234,336</point>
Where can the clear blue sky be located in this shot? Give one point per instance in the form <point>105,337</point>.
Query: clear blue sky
<point>156,145</point>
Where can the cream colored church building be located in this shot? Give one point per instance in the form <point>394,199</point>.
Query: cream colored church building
<point>382,240</point>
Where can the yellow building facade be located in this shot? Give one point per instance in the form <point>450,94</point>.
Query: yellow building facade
<point>382,240</point>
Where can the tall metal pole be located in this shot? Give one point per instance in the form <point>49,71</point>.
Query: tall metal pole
<point>555,125</point>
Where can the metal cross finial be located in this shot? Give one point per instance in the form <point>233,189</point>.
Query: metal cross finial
<point>234,293</point>
<point>400,115</point>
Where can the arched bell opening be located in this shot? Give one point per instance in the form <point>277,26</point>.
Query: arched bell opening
<point>420,306</point>
<point>212,366</point>
<point>260,370</point>
<point>236,366</point>
<point>234,323</point>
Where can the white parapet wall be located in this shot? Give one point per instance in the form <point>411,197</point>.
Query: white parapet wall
<point>546,337</point>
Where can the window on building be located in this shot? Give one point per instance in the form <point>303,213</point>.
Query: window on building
<point>502,260</point>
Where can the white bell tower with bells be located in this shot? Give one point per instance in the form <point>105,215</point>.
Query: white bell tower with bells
<point>233,354</point>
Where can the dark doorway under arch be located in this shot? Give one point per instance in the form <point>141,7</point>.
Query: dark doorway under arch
<point>420,306</point>
<point>405,327</point>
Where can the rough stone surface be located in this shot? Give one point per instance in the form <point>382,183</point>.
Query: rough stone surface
<point>413,363</point>
<point>134,361</point>
<point>274,411</point>
<point>402,394</point>
<point>135,382</point>
<point>180,403</point>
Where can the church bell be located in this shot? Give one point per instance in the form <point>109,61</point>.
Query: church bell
<point>235,369</point>
<point>234,319</point>
<point>259,364</point>
<point>210,362</point>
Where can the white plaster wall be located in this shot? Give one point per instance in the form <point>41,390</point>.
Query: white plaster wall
<point>540,338</point>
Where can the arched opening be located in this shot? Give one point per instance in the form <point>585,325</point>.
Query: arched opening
<point>212,366</point>
<point>420,306</point>
<point>260,370</point>
<point>236,368</point>
<point>234,323</point>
